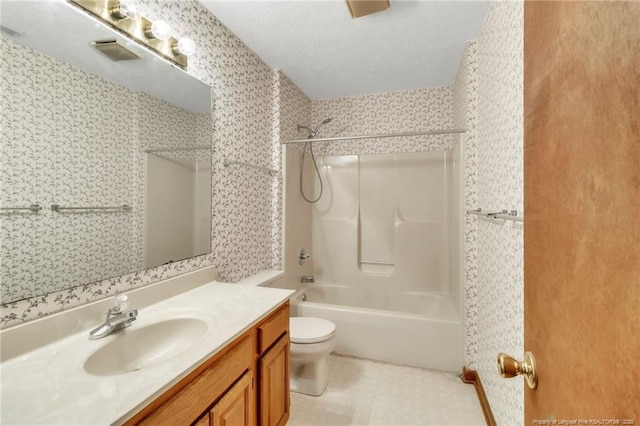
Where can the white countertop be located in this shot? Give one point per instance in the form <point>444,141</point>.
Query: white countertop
<point>49,385</point>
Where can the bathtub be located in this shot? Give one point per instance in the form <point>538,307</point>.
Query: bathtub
<point>420,329</point>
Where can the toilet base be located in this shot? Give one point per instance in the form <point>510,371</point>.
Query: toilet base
<point>309,378</point>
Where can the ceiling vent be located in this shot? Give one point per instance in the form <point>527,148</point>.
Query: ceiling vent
<point>114,50</point>
<point>360,8</point>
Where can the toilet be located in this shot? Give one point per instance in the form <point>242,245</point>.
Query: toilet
<point>312,340</point>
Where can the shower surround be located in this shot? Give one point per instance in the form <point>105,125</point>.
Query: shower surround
<point>381,243</point>
<point>385,236</point>
<point>382,222</point>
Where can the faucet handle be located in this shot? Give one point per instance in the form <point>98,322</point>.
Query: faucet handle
<point>120,303</point>
<point>303,256</point>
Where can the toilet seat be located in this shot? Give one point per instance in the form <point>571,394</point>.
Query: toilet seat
<point>310,330</point>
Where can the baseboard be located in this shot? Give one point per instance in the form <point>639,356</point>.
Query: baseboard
<point>472,377</point>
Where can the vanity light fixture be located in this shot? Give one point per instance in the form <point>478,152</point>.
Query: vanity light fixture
<point>158,29</point>
<point>185,47</point>
<point>155,35</point>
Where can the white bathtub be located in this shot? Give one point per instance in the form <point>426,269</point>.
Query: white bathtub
<point>419,329</point>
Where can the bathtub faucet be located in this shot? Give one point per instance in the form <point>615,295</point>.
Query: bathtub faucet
<point>307,279</point>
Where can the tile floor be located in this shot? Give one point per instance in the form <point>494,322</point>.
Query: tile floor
<point>362,392</point>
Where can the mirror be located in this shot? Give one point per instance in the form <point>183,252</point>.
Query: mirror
<point>123,148</point>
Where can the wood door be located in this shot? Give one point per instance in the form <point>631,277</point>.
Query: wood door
<point>582,210</point>
<point>236,407</point>
<point>274,384</point>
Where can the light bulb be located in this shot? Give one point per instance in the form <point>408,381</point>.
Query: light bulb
<point>185,46</point>
<point>125,9</point>
<point>158,29</point>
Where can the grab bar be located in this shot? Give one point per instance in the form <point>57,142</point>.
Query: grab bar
<point>32,207</point>
<point>58,208</point>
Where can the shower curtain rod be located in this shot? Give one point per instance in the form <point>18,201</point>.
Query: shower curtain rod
<point>195,148</point>
<point>387,135</point>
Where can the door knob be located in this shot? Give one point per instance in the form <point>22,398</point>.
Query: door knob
<point>510,367</point>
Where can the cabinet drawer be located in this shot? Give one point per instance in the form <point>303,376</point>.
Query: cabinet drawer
<point>272,328</point>
<point>189,403</point>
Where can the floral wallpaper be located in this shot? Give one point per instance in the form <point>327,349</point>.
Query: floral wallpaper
<point>294,108</point>
<point>500,276</point>
<point>290,108</point>
<point>245,239</point>
<point>465,115</point>
<point>381,113</point>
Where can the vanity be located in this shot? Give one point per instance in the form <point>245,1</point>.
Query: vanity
<point>210,354</point>
<point>246,383</point>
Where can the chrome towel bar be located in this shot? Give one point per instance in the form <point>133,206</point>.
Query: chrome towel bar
<point>194,148</point>
<point>502,214</point>
<point>32,207</point>
<point>58,208</point>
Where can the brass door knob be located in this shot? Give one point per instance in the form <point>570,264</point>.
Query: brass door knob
<point>510,367</point>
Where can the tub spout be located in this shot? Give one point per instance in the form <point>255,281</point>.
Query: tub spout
<point>307,279</point>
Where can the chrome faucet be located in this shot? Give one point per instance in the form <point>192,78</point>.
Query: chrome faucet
<point>307,279</point>
<point>117,318</point>
<point>303,256</point>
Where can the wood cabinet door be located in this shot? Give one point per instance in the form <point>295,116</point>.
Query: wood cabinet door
<point>237,407</point>
<point>203,421</point>
<point>582,211</point>
<point>274,384</point>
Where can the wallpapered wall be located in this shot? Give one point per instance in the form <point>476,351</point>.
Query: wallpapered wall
<point>391,112</point>
<point>500,279</point>
<point>465,115</point>
<point>244,228</point>
<point>294,108</point>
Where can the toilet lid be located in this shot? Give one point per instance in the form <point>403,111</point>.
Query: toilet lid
<point>310,330</point>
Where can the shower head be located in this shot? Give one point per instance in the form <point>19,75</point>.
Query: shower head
<point>314,132</point>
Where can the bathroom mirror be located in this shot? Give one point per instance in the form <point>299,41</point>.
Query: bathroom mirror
<point>122,148</point>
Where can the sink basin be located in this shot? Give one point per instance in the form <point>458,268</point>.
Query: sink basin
<point>137,348</point>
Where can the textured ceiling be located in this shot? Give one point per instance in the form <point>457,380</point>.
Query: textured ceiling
<point>413,44</point>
